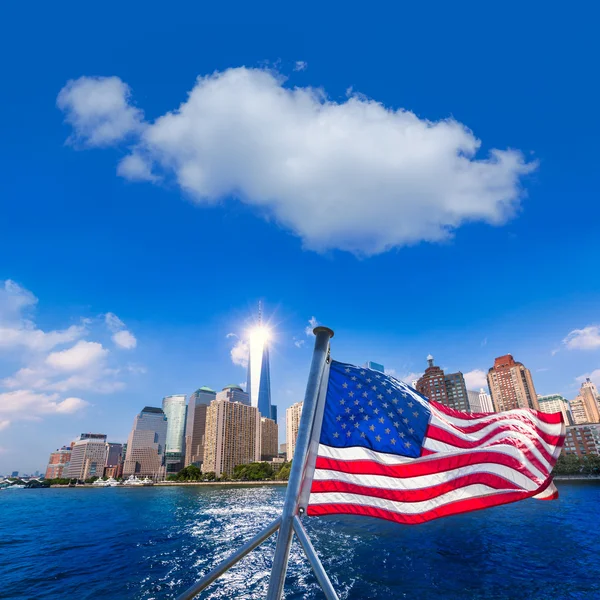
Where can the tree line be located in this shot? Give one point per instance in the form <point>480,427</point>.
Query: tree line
<point>257,471</point>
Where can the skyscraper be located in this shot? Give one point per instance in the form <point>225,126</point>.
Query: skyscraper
<point>146,444</point>
<point>196,425</point>
<point>554,403</point>
<point>269,438</point>
<point>233,393</point>
<point>292,424</point>
<point>88,456</point>
<point>58,463</point>
<point>511,385</point>
<point>480,402</point>
<point>232,436</point>
<point>259,373</point>
<point>589,394</point>
<point>578,411</point>
<point>175,411</point>
<point>447,388</point>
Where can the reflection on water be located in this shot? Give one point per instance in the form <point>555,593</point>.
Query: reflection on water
<point>155,542</point>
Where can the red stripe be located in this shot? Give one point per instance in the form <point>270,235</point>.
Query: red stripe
<point>550,418</point>
<point>442,435</point>
<point>437,464</point>
<point>452,508</point>
<point>417,495</point>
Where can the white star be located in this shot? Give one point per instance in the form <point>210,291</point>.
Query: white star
<point>356,403</point>
<point>381,419</point>
<point>391,415</point>
<point>343,425</point>
<point>401,434</point>
<point>359,385</point>
<point>376,411</point>
<point>378,438</point>
<point>407,444</point>
<point>352,417</point>
<point>385,405</point>
<point>378,376</point>
<point>389,390</point>
<point>353,377</point>
<point>400,411</point>
<point>336,434</point>
<point>405,421</point>
<point>384,382</point>
<point>362,434</point>
<point>347,369</point>
<point>393,441</point>
<point>365,395</point>
<point>345,384</point>
<point>348,433</point>
<point>342,401</point>
<point>416,413</point>
<point>404,395</point>
<point>370,403</point>
<point>374,388</point>
<point>396,424</point>
<point>338,418</point>
<point>363,372</point>
<point>411,430</point>
<point>351,394</point>
<point>372,427</point>
<point>395,400</point>
<point>348,409</point>
<point>356,424</point>
<point>366,417</point>
<point>379,396</point>
<point>410,404</point>
<point>369,380</point>
<point>387,430</point>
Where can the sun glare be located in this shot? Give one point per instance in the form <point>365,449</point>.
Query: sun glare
<point>259,335</point>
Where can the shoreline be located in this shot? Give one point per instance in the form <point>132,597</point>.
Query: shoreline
<point>177,483</point>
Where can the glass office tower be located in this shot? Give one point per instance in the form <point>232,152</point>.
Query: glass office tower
<point>175,410</point>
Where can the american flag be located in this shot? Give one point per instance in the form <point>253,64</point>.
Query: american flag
<point>386,451</point>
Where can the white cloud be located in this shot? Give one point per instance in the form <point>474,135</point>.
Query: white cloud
<point>594,376</point>
<point>99,110</point>
<point>312,323</point>
<point>353,175</point>
<point>27,405</point>
<point>476,379</point>
<point>124,339</point>
<point>299,343</point>
<point>409,377</point>
<point>4,424</point>
<point>239,354</point>
<point>587,338</point>
<point>300,65</point>
<point>82,355</point>
<point>121,336</point>
<point>135,168</point>
<point>231,335</point>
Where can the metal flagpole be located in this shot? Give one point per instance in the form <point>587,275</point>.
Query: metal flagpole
<point>290,506</point>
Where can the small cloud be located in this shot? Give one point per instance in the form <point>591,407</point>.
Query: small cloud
<point>476,379</point>
<point>121,336</point>
<point>587,338</point>
<point>231,335</point>
<point>594,376</point>
<point>300,65</point>
<point>541,370</point>
<point>124,339</point>
<point>135,168</point>
<point>71,405</point>
<point>243,385</point>
<point>408,378</point>
<point>555,352</point>
<point>4,424</point>
<point>299,343</point>
<point>312,323</point>
<point>82,355</point>
<point>239,354</point>
<point>484,341</point>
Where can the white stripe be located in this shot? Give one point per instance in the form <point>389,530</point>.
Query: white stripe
<point>478,435</point>
<point>437,446</point>
<point>426,481</point>
<point>550,428</point>
<point>407,508</point>
<point>551,489</point>
<point>360,453</point>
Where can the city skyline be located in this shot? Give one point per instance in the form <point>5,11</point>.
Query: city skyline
<point>153,194</point>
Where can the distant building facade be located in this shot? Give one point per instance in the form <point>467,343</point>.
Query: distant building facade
<point>234,393</point>
<point>259,369</point>
<point>511,385</point>
<point>274,413</point>
<point>586,403</point>
<point>578,411</point>
<point>447,388</point>
<point>582,440</point>
<point>480,402</point>
<point>58,463</point>
<point>232,436</point>
<point>374,366</point>
<point>88,456</point>
<point>554,403</point>
<point>269,439</point>
<point>292,423</point>
<point>146,444</point>
<point>175,410</point>
<point>196,425</point>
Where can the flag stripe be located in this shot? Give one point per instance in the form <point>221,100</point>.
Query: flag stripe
<point>454,415</point>
<point>509,457</point>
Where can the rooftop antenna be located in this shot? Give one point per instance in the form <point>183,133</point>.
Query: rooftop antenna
<point>260,313</point>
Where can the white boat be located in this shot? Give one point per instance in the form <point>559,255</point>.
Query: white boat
<point>147,481</point>
<point>100,483</point>
<point>111,482</point>
<point>16,486</point>
<point>133,480</point>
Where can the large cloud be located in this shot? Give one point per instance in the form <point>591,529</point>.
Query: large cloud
<point>587,338</point>
<point>353,175</point>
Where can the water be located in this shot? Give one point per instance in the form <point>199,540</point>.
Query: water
<point>155,542</point>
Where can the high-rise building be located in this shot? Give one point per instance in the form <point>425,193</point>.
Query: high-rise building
<point>292,424</point>
<point>196,425</point>
<point>274,412</point>
<point>88,456</point>
<point>554,403</point>
<point>146,444</point>
<point>175,411</point>
<point>511,385</point>
<point>232,436</point>
<point>259,371</point>
<point>233,393</point>
<point>589,396</point>
<point>580,415</point>
<point>480,402</point>
<point>58,463</point>
<point>447,388</point>
<point>582,440</point>
<point>269,438</point>
<point>283,449</point>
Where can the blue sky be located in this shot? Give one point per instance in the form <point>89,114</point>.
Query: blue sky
<point>420,179</point>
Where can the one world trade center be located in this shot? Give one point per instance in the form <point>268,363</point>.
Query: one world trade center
<point>259,372</point>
